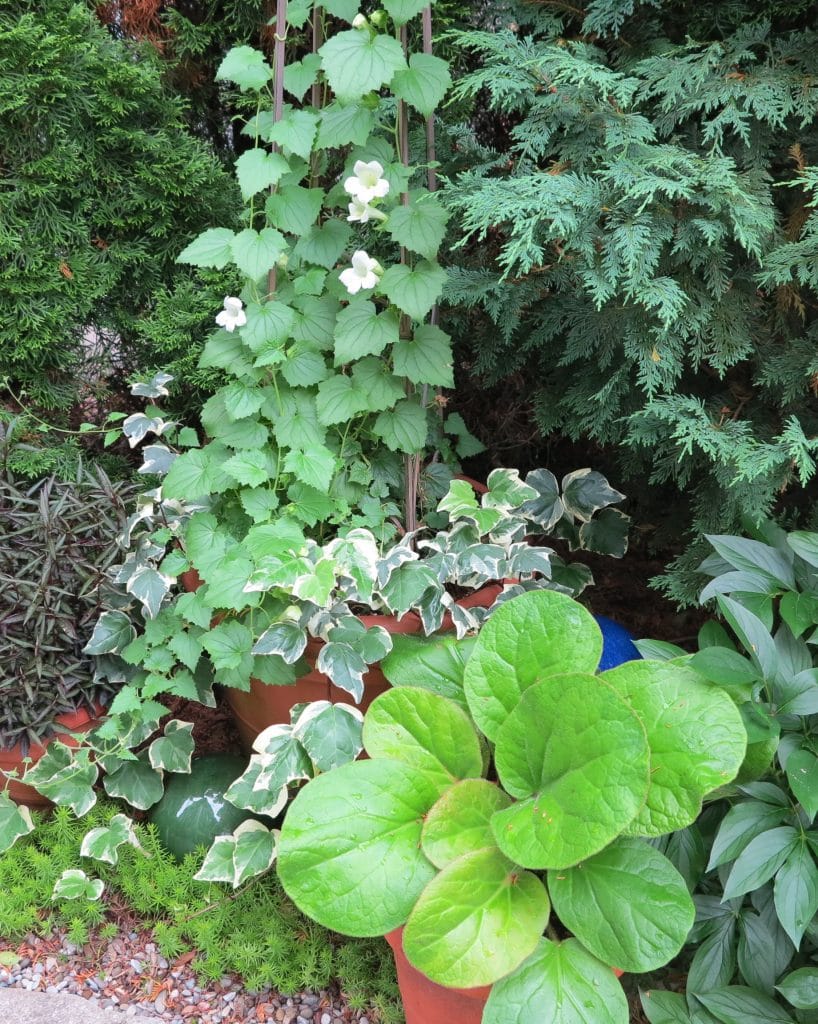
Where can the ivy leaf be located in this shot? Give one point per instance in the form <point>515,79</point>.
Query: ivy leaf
<point>113,631</point>
<point>137,783</point>
<point>360,331</point>
<point>404,428</point>
<point>344,126</point>
<point>256,252</point>
<point>424,84</point>
<point>103,843</point>
<point>344,666</point>
<point>74,884</point>
<point>248,852</point>
<point>356,63</point>
<point>286,639</point>
<point>294,208</point>
<point>246,67</point>
<point>210,249</point>
<point>330,733</point>
<point>413,290</point>
<point>173,751</point>
<point>149,587</point>
<point>14,822</point>
<point>420,226</point>
<point>314,465</point>
<point>426,359</point>
<point>66,777</point>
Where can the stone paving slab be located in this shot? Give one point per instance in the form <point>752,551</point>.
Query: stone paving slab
<point>18,1006</point>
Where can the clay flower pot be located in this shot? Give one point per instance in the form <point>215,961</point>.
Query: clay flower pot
<point>11,758</point>
<point>426,1002</point>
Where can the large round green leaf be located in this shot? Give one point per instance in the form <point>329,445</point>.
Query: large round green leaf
<point>696,737</point>
<point>427,731</point>
<point>460,822</point>
<point>349,852</point>
<point>528,638</point>
<point>561,983</point>
<point>576,757</point>
<point>476,921</point>
<point>628,905</point>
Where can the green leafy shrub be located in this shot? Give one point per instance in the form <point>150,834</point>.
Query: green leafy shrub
<point>256,933</point>
<point>753,857</point>
<point>57,541</point>
<point>643,244</point>
<point>102,186</point>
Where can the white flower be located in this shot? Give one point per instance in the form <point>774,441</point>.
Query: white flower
<point>232,316</point>
<point>361,211</point>
<point>368,182</point>
<point>365,272</point>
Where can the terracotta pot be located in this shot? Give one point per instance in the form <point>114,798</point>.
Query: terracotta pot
<point>426,1002</point>
<point>265,705</point>
<point>12,757</point>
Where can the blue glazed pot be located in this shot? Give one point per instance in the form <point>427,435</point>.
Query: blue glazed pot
<point>617,644</point>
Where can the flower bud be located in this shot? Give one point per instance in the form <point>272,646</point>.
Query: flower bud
<point>359,21</point>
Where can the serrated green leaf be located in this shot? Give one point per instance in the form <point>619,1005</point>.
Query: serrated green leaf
<point>424,83</point>
<point>420,226</point>
<point>314,465</point>
<point>344,126</point>
<point>295,131</point>
<point>294,208</point>
<point>356,62</point>
<point>404,428</point>
<point>361,331</point>
<point>299,75</point>
<point>414,290</point>
<point>228,643</point>
<point>249,468</point>
<point>256,252</point>
<point>339,400</point>
<point>212,248</point>
<point>426,358</point>
<point>323,244</point>
<point>246,67</point>
<point>257,170</point>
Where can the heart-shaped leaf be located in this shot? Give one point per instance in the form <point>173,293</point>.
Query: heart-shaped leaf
<point>628,905</point>
<point>476,921</point>
<point>576,757</point>
<point>536,635</point>
<point>349,853</point>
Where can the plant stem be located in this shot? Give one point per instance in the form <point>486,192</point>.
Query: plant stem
<point>278,93</point>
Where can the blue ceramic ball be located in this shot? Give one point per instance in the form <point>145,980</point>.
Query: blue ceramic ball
<point>617,644</point>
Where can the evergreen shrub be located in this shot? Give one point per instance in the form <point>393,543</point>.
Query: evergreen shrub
<point>642,241</point>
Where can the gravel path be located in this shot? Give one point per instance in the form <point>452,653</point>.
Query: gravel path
<point>127,972</point>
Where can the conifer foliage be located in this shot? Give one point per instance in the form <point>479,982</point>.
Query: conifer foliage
<point>647,248</point>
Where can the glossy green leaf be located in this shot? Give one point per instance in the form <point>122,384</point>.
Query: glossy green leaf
<point>425,730</point>
<point>796,892</point>
<point>760,859</point>
<point>800,988</point>
<point>696,737</point>
<point>560,983</point>
<point>349,853</point>
<point>536,635</point>
<point>627,905</point>
<point>802,772</point>
<point>575,756</point>
<point>476,921</point>
<point>256,252</point>
<point>736,1004</point>
<point>436,663</point>
<point>460,821</point>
